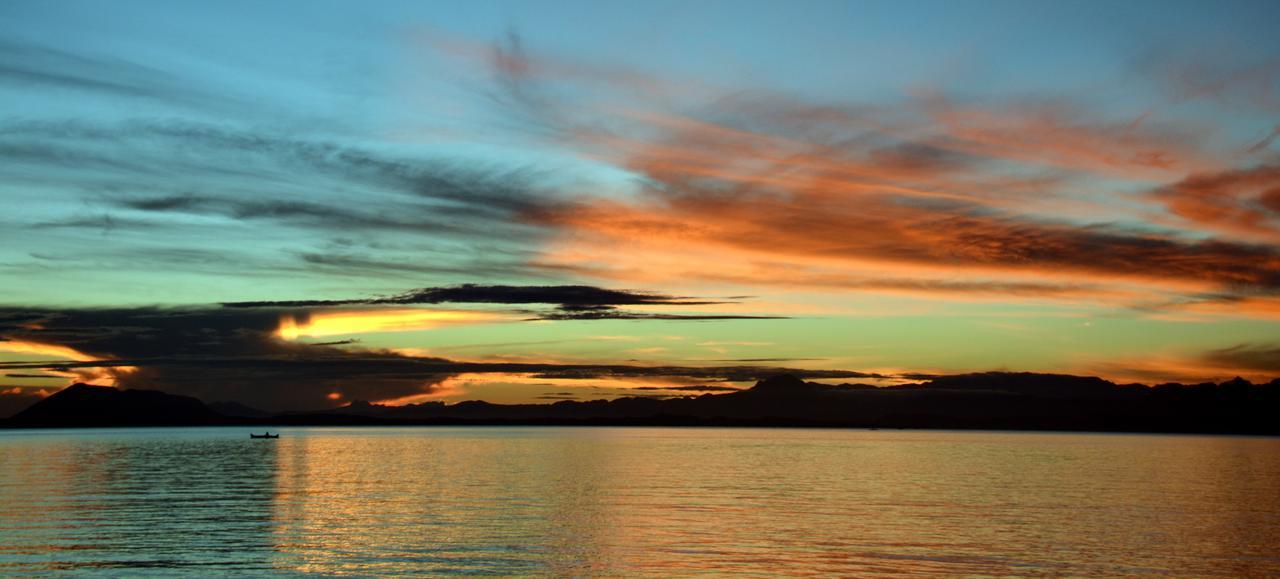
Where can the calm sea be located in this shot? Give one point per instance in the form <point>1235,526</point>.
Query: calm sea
<point>635,501</point>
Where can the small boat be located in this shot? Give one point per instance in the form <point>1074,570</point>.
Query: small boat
<point>263,435</point>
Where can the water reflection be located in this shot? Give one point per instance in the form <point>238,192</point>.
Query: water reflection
<point>608,501</point>
<point>134,499</point>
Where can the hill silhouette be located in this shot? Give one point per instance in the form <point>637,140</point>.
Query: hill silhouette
<point>992,400</point>
<point>86,405</point>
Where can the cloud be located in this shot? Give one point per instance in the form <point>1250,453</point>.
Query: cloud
<point>787,241</point>
<point>1255,357</point>
<point>573,302</point>
<point>568,297</point>
<point>1008,198</point>
<point>1231,82</point>
<point>1239,201</point>
<point>1265,142</point>
<point>612,314</point>
<point>15,399</point>
<point>694,388</point>
<point>239,354</point>
<point>213,354</point>
<point>1257,362</point>
<point>27,65</point>
<point>158,148</point>
<point>333,207</point>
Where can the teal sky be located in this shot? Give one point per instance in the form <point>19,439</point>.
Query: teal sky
<point>892,188</point>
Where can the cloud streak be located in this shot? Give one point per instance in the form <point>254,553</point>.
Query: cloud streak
<point>572,302</point>
<point>409,213</point>
<point>244,354</point>
<point>934,196</point>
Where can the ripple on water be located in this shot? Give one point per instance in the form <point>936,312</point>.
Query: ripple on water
<point>656,501</point>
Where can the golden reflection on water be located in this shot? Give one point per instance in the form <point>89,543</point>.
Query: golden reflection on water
<point>652,501</point>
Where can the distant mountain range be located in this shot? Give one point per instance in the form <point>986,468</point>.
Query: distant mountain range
<point>994,400</point>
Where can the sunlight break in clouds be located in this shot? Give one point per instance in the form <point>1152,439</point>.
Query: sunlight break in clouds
<point>106,376</point>
<point>321,324</point>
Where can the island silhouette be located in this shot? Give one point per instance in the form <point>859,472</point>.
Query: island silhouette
<point>991,400</point>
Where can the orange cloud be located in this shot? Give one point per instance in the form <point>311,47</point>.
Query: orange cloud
<point>1056,136</point>
<point>964,200</point>
<point>106,376</point>
<point>731,204</point>
<point>869,245</point>
<point>1243,202</point>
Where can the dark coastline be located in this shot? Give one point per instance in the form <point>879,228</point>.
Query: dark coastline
<point>657,422</point>
<point>992,401</point>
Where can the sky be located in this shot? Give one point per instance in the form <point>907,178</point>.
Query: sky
<point>301,204</point>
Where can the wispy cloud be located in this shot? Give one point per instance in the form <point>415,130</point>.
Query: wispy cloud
<point>935,195</point>
<point>1242,202</point>
<point>427,214</point>
<point>41,66</point>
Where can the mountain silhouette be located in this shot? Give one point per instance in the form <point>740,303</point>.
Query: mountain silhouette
<point>990,400</point>
<point>237,410</point>
<point>86,405</point>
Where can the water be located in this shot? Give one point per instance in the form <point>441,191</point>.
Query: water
<point>635,501</point>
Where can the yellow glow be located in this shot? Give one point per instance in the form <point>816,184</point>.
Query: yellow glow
<point>523,388</point>
<point>95,376</point>
<point>343,323</point>
<point>449,387</point>
<point>24,347</point>
<point>16,391</point>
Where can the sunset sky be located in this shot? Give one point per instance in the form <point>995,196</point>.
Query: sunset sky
<point>301,204</point>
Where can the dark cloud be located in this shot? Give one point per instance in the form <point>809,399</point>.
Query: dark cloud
<point>568,297</point>
<point>233,354</point>
<point>919,376</point>
<point>1258,357</point>
<point>718,373</point>
<point>699,388</point>
<point>613,314</point>
<point>335,343</point>
<point>1266,141</point>
<point>1111,251</point>
<point>573,302</point>
<point>217,354</point>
